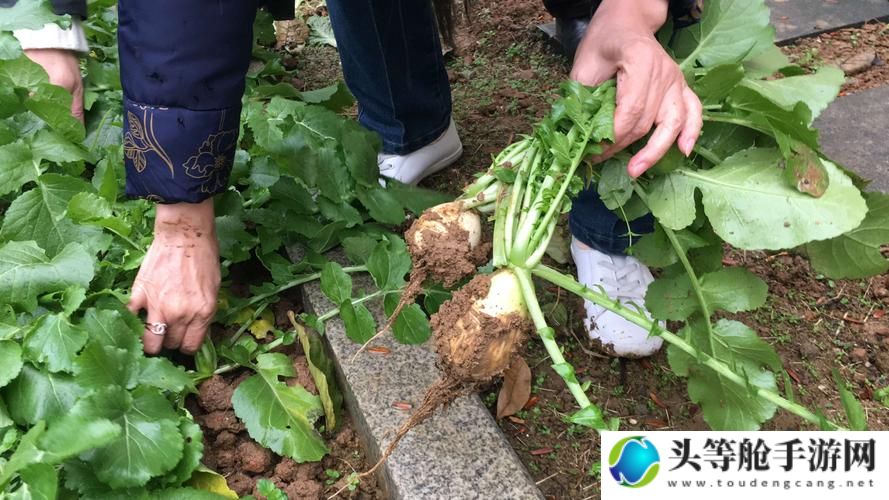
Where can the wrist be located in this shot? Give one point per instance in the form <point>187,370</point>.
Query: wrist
<point>197,219</point>
<point>633,15</point>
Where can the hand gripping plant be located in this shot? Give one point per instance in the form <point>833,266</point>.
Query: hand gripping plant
<point>756,180</point>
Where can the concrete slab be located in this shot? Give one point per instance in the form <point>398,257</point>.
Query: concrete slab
<point>855,133</point>
<point>459,453</point>
<point>795,18</point>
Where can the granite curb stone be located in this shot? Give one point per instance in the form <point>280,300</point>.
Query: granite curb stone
<point>460,453</point>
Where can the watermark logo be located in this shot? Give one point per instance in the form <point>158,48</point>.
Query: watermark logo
<point>634,462</point>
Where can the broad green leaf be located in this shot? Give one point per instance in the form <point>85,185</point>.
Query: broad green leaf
<point>150,444</point>
<point>94,210</point>
<point>321,31</point>
<point>766,63</point>
<point>29,14</point>
<point>335,97</point>
<point>35,395</point>
<point>55,342</point>
<point>323,374</point>
<point>671,199</point>
<point>615,186</point>
<point>358,321</point>
<point>767,116</point>
<point>340,211</point>
<point>18,167</point>
<point>52,146</point>
<point>72,435</point>
<point>40,215</point>
<point>102,365</point>
<point>671,298</point>
<point>730,31</point>
<point>361,157</point>
<point>388,264</point>
<point>41,482</point>
<point>412,326</point>
<point>751,207</point>
<point>23,73</point>
<point>816,90</point>
<point>53,105</point>
<point>726,405</point>
<point>415,198</point>
<point>163,374</point>
<point>854,411</point>
<point>335,283</point>
<point>264,172</point>
<point>10,361</point>
<point>192,452</point>
<point>718,82</point>
<point>734,290</point>
<point>114,329</point>
<point>383,207</point>
<point>235,242</point>
<point>856,253</point>
<point>26,272</point>
<point>10,48</point>
<point>278,416</point>
<point>359,248</point>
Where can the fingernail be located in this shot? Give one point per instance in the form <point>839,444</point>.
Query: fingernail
<point>686,146</point>
<point>636,167</point>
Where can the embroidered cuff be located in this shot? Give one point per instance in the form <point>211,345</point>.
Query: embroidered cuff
<point>51,36</point>
<point>175,155</point>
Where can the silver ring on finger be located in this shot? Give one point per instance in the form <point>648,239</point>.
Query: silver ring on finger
<point>157,328</point>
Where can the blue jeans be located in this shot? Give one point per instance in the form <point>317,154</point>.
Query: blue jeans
<point>392,62</point>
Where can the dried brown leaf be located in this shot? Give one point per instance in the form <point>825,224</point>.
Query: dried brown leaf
<point>516,388</point>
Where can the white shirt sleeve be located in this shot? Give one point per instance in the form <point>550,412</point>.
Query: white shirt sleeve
<point>52,36</point>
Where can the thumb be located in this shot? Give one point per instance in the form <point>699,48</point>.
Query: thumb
<point>589,69</point>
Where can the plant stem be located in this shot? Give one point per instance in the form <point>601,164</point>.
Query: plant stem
<point>734,120</point>
<point>570,284</point>
<point>546,334</point>
<point>335,311</point>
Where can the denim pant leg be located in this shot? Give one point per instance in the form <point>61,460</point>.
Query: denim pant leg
<point>392,62</point>
<point>594,225</point>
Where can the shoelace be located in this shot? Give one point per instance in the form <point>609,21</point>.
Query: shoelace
<point>384,163</point>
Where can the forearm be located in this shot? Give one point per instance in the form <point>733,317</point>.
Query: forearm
<point>647,14</point>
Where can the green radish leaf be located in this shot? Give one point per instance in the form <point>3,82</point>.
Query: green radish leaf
<point>720,39</point>
<point>35,395</point>
<point>856,254</point>
<point>727,406</point>
<point>163,374</point>
<point>321,31</point>
<point>359,322</point>
<point>434,297</point>
<point>113,328</point>
<point>335,97</point>
<point>766,63</point>
<point>771,118</point>
<point>235,242</point>
<point>340,211</point>
<point>591,416</point>
<point>40,481</point>
<point>23,73</point>
<point>388,264</point>
<point>55,342</point>
<point>854,410</point>
<point>335,283</point>
<point>671,298</point>
<point>263,172</point>
<point>32,15</point>
<point>72,435</point>
<point>150,445</point>
<point>412,326</point>
<point>671,199</point>
<point>10,361</point>
<point>734,290</point>
<point>278,416</point>
<point>40,215</point>
<point>816,91</point>
<point>323,374</point>
<point>106,366</point>
<point>26,272</point>
<point>615,186</point>
<point>51,146</point>
<point>359,248</point>
<point>718,82</point>
<point>414,198</point>
<point>751,207</point>
<point>192,452</point>
<point>360,151</point>
<point>10,48</point>
<point>383,207</point>
<point>53,105</point>
<point>19,167</point>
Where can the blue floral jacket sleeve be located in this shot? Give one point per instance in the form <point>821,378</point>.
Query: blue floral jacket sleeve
<point>182,70</point>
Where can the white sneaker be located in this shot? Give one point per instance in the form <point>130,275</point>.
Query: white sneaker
<point>414,167</point>
<point>623,278</point>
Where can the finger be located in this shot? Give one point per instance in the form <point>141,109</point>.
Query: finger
<point>152,342</point>
<point>138,299</point>
<point>670,122</point>
<point>194,336</point>
<point>176,332</point>
<point>632,109</point>
<point>694,121</point>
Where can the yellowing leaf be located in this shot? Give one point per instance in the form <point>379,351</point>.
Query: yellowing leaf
<point>208,480</point>
<point>263,325</point>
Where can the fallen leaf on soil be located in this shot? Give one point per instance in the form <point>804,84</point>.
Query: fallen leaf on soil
<point>879,313</point>
<point>401,405</point>
<point>657,401</point>
<point>515,420</point>
<point>657,424</point>
<point>793,375</point>
<point>516,388</point>
<point>532,402</point>
<point>379,350</point>
<point>542,451</point>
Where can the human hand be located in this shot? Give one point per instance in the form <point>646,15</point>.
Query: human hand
<point>179,279</point>
<point>651,89</point>
<point>63,68</point>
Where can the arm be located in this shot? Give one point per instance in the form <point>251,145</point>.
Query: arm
<point>57,50</point>
<point>651,90</point>
<point>182,71</point>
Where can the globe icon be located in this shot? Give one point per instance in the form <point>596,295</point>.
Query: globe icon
<point>634,462</point>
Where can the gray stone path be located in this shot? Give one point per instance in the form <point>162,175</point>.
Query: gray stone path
<point>459,454</point>
<point>855,133</point>
<point>796,18</point>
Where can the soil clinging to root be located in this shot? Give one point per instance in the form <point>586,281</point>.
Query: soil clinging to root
<point>445,254</point>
